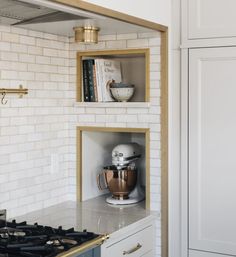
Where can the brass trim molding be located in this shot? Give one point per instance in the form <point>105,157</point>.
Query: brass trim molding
<point>164,143</point>
<point>113,129</point>
<point>86,246</point>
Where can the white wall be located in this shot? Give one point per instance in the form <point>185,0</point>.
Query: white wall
<point>158,11</point>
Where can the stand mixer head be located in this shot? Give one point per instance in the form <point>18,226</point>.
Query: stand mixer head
<point>124,155</point>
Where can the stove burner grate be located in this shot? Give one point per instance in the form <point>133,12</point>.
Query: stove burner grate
<point>23,240</point>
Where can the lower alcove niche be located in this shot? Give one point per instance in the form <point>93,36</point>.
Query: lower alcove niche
<point>94,151</point>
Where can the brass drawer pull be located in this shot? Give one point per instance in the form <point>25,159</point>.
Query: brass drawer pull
<point>136,248</point>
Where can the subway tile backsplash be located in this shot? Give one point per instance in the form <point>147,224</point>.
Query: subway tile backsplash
<point>34,128</point>
<point>38,132</point>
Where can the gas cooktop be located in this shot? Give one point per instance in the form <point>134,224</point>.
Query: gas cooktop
<point>25,240</point>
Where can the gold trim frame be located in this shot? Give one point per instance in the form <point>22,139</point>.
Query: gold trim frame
<point>84,247</point>
<point>144,131</point>
<point>114,54</point>
<point>164,145</point>
<point>82,5</point>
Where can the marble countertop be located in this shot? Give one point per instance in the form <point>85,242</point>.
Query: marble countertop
<point>95,215</point>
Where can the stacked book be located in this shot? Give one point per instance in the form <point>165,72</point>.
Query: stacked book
<point>97,75</point>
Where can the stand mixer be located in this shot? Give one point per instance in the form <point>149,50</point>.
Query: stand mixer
<point>122,178</point>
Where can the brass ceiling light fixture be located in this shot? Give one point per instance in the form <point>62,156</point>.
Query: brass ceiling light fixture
<point>86,34</point>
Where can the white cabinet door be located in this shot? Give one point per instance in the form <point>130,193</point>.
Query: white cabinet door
<point>193,253</point>
<point>211,18</point>
<point>212,150</point>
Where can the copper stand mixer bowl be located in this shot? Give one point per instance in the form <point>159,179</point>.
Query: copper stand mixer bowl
<point>120,182</point>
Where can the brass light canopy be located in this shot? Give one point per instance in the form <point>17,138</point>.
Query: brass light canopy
<point>88,34</point>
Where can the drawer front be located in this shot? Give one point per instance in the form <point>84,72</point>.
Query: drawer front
<point>135,245</point>
<point>149,254</point>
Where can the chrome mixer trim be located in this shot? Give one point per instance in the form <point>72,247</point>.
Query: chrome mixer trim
<point>3,215</point>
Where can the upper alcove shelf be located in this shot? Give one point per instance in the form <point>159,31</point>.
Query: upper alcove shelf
<point>134,70</point>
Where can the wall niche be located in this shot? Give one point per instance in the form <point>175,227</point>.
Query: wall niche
<point>94,151</point>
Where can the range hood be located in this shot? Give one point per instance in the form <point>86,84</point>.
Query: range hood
<point>16,12</point>
<point>50,17</point>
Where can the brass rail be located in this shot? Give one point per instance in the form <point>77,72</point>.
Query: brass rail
<point>85,246</point>
<point>20,91</point>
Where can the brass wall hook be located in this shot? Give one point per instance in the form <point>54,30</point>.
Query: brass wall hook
<point>3,97</point>
<point>20,91</point>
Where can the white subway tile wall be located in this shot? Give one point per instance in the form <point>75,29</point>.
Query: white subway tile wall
<point>38,132</point>
<point>34,128</point>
